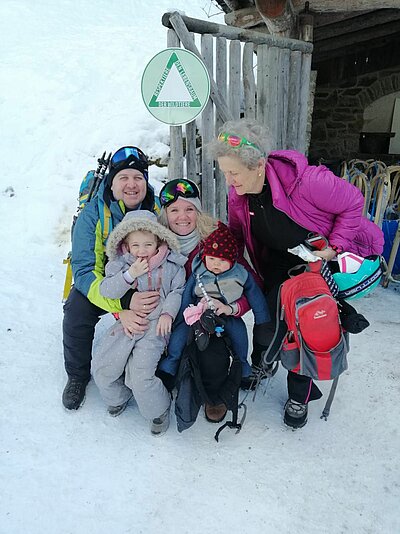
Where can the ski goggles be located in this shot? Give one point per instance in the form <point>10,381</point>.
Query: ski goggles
<point>236,141</point>
<point>126,152</point>
<point>177,188</point>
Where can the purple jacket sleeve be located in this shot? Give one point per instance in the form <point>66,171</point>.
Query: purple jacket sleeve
<point>337,197</point>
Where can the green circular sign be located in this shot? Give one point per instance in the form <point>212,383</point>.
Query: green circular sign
<point>175,86</point>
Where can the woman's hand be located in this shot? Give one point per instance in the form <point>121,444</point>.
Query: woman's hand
<point>164,325</point>
<point>133,322</point>
<point>144,302</point>
<point>327,254</point>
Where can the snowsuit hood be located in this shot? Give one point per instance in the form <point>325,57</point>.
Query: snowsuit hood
<point>138,220</point>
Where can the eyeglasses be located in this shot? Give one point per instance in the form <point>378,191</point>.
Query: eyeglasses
<point>126,152</point>
<point>235,141</point>
<point>177,188</point>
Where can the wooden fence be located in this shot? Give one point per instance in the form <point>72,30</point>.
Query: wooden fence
<point>277,95</point>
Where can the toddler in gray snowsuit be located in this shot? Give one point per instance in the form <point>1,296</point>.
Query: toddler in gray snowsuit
<point>143,255</point>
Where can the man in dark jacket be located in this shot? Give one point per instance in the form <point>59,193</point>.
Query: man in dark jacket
<point>125,188</point>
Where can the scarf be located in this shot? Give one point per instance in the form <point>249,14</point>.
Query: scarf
<point>188,242</point>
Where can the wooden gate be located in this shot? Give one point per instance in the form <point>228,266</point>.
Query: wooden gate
<point>277,96</point>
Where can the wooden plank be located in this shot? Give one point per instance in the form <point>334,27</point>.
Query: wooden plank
<point>351,39</point>
<point>249,84</point>
<point>262,83</point>
<point>304,100</point>
<point>191,157</point>
<point>181,24</point>
<point>207,133</point>
<point>221,78</point>
<point>191,167</point>
<point>234,92</point>
<point>293,99</point>
<point>272,112</point>
<point>283,95</point>
<point>175,163</point>
<point>354,24</point>
<point>333,6</point>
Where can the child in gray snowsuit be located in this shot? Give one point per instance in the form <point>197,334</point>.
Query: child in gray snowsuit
<point>143,255</point>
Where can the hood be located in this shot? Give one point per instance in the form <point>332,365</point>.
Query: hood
<point>289,167</point>
<point>138,220</point>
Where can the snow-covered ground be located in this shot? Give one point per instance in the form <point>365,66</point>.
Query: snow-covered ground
<point>70,88</point>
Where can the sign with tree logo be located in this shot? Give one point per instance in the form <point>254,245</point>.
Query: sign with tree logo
<point>175,86</point>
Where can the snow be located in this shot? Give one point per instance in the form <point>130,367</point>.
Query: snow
<point>70,89</point>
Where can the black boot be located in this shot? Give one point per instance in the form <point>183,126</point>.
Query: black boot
<point>74,393</point>
<point>295,414</point>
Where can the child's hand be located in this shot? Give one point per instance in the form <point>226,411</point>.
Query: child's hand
<point>223,309</point>
<point>164,325</point>
<point>220,308</point>
<point>138,267</point>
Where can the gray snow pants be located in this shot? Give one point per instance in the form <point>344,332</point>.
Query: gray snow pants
<point>122,366</point>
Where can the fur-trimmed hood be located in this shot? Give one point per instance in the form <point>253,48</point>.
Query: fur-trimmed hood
<point>138,220</point>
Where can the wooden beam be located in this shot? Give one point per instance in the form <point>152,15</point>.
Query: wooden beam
<point>351,39</point>
<point>278,16</point>
<point>354,50</point>
<point>361,22</point>
<point>220,30</point>
<point>243,18</point>
<point>326,11</point>
<point>335,6</point>
<point>325,19</point>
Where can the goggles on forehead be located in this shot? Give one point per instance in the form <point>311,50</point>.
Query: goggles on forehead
<point>177,188</point>
<point>236,141</point>
<point>126,152</point>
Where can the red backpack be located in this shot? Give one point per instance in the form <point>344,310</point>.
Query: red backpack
<point>314,344</point>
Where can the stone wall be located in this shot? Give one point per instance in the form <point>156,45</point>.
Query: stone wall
<point>338,112</point>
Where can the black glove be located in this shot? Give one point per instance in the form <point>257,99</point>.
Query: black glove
<point>352,322</point>
<point>167,379</point>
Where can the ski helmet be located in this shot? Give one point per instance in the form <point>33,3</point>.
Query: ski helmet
<point>358,284</point>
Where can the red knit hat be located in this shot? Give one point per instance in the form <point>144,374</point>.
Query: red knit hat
<point>221,244</point>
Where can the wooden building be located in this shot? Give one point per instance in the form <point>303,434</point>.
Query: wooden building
<point>356,63</point>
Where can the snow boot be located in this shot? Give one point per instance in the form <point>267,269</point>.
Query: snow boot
<point>295,414</point>
<point>114,411</point>
<point>215,414</point>
<point>251,381</point>
<point>74,393</point>
<point>160,425</point>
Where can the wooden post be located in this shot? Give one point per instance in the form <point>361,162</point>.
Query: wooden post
<point>304,96</point>
<point>207,133</point>
<point>271,117</point>
<point>191,160</point>
<point>261,83</point>
<point>293,99</point>
<point>283,96</point>
<point>249,84</point>
<point>234,79</point>
<point>175,163</point>
<point>221,79</point>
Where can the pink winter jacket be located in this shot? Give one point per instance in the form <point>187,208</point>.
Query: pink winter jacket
<point>315,199</point>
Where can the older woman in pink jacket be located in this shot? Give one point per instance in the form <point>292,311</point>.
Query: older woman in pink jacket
<point>276,199</point>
